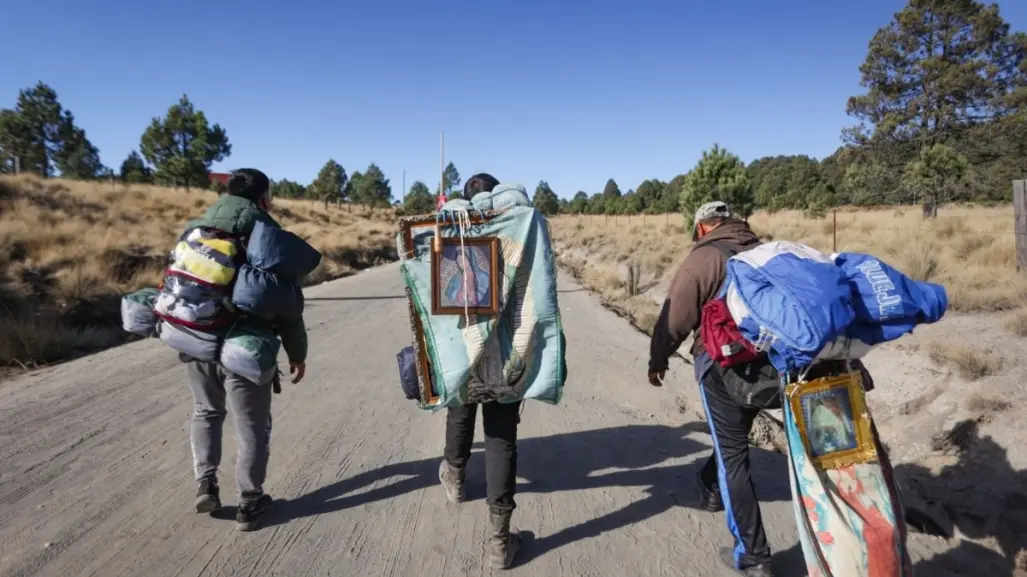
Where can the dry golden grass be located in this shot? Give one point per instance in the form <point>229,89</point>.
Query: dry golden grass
<point>969,250</point>
<point>969,363</point>
<point>69,250</point>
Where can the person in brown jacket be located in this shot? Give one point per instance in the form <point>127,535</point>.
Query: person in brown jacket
<point>724,482</point>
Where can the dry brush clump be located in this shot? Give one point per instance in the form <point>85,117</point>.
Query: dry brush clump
<point>969,250</point>
<point>69,250</point>
<point>969,363</point>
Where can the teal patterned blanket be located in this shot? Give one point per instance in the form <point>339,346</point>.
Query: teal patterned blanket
<point>519,354</point>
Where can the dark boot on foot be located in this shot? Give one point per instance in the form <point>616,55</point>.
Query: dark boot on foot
<point>208,497</point>
<point>709,498</point>
<point>504,542</point>
<point>727,555</point>
<point>251,513</point>
<point>452,481</point>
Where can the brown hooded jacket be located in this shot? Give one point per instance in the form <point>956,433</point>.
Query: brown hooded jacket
<point>698,280</point>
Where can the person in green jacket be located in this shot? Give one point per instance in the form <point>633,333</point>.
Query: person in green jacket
<point>247,202</point>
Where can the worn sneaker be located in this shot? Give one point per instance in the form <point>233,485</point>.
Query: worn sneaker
<point>727,555</point>
<point>452,480</point>
<point>709,499</point>
<point>208,497</point>
<point>250,513</point>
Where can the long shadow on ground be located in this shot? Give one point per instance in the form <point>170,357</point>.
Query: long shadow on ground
<point>972,487</point>
<point>565,462</point>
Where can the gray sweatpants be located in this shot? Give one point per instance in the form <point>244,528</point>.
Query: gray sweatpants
<point>251,411</point>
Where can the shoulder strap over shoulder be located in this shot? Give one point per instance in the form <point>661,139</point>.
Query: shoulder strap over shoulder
<point>724,249</point>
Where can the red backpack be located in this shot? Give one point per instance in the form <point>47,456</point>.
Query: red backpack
<point>724,342</point>
<point>720,335</point>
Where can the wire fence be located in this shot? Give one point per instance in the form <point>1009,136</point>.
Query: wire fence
<point>965,230</point>
<point>946,227</point>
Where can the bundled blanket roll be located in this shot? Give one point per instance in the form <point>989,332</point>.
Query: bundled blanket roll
<point>267,286</point>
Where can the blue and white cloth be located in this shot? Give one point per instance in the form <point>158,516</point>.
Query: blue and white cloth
<point>801,305</point>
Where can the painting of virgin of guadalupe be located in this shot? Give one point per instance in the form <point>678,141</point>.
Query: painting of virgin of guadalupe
<point>830,425</point>
<point>465,278</point>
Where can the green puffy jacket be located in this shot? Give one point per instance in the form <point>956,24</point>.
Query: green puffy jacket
<point>237,216</point>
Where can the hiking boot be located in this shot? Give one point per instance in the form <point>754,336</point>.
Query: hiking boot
<point>251,513</point>
<point>709,499</point>
<point>503,541</point>
<point>208,497</point>
<point>727,555</point>
<point>452,481</point>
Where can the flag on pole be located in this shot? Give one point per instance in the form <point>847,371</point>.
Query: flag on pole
<point>441,200</point>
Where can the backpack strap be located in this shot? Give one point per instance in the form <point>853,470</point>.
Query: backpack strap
<point>724,249</point>
<point>728,252</point>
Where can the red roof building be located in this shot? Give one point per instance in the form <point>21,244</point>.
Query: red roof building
<point>220,178</point>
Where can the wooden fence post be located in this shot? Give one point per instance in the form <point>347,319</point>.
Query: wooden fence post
<point>1020,223</point>
<point>834,230</point>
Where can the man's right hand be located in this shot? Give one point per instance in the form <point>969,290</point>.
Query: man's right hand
<point>299,370</point>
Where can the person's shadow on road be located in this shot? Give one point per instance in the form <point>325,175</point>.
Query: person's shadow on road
<point>565,462</point>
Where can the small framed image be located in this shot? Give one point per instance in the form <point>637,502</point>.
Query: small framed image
<point>417,233</point>
<point>831,416</point>
<point>465,277</point>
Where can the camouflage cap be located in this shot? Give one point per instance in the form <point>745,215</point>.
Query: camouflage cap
<point>715,209</point>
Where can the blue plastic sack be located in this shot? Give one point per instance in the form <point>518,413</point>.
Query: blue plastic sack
<point>407,361</point>
<point>789,299</point>
<point>281,252</point>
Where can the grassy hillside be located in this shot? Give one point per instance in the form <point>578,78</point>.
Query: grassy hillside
<point>69,250</point>
<point>969,250</point>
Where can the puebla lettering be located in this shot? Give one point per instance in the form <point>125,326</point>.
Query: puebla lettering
<point>888,300</point>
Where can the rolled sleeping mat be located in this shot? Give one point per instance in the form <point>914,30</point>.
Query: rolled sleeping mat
<point>190,342</point>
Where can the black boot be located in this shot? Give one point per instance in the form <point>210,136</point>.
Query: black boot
<point>503,541</point>
<point>208,496</point>
<point>709,498</point>
<point>250,513</point>
<point>727,555</point>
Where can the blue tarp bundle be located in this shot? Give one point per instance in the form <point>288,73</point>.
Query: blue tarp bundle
<point>800,305</point>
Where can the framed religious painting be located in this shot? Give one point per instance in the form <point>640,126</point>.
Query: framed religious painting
<point>831,416</point>
<point>417,233</point>
<point>465,277</point>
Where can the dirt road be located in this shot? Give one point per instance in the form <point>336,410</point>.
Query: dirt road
<point>95,475</point>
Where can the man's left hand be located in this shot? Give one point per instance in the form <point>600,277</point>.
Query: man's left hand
<point>656,379</point>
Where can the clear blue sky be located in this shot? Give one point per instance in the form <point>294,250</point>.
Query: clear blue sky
<point>572,93</point>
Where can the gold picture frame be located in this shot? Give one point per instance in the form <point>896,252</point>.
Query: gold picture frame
<point>453,290</point>
<point>833,421</point>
